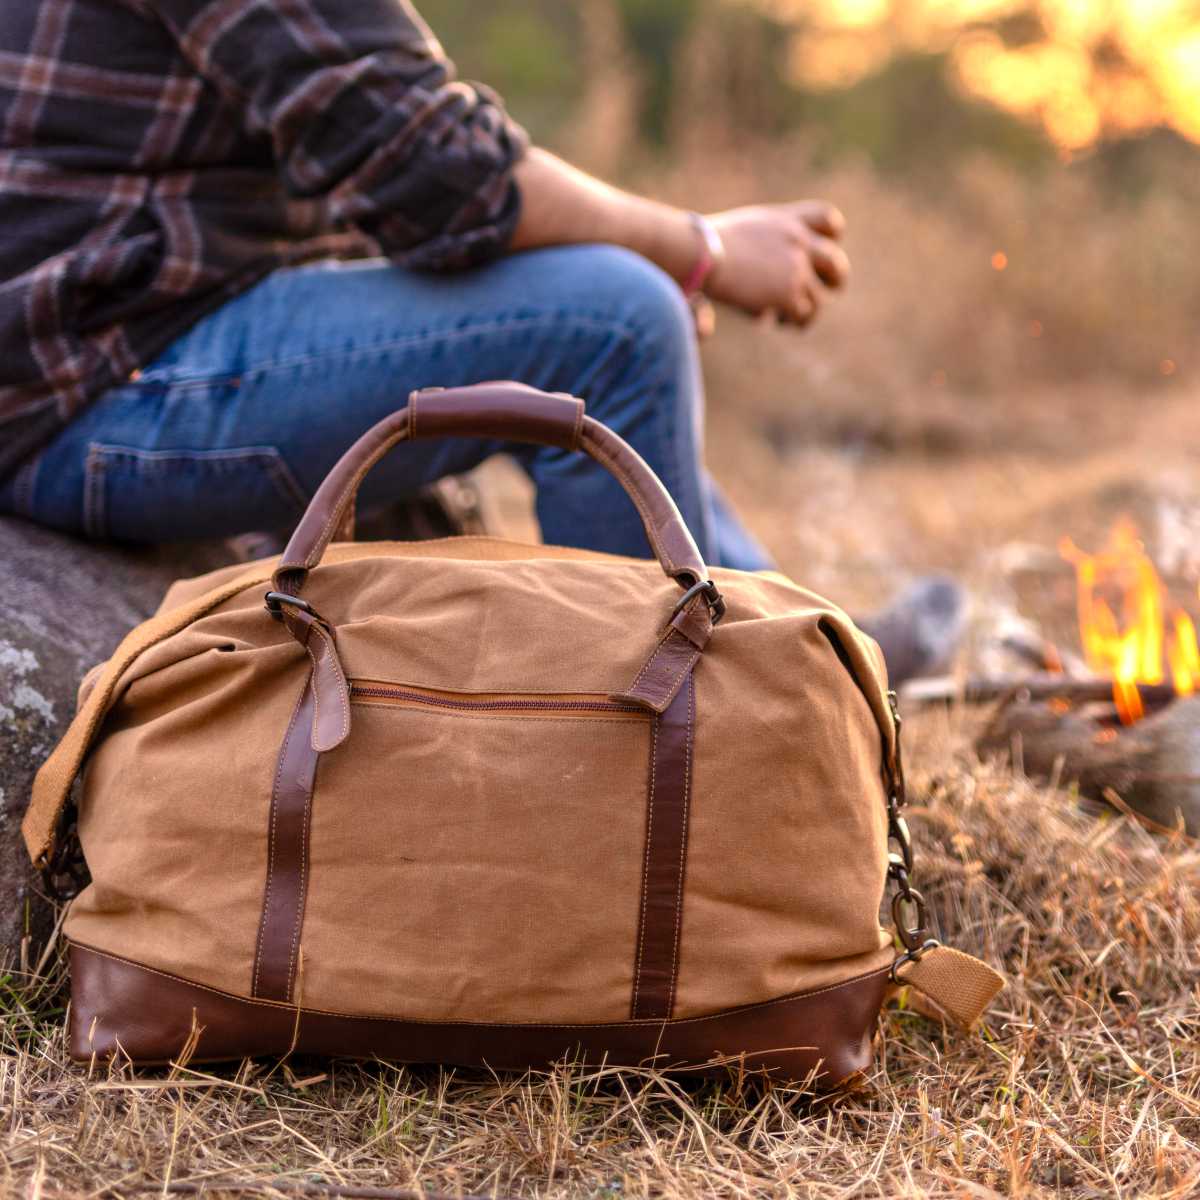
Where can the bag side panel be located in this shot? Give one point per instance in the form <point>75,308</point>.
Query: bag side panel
<point>174,811</point>
<point>787,842</point>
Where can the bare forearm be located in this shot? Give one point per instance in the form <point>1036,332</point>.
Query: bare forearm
<point>561,205</point>
<point>773,257</point>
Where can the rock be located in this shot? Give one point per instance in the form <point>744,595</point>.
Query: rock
<point>64,606</point>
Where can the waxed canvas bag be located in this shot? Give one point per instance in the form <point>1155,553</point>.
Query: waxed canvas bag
<point>478,802</point>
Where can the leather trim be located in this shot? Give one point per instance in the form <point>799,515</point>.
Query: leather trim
<point>120,1007</point>
<point>669,536</point>
<point>497,410</point>
<point>660,919</point>
<point>657,683</point>
<point>331,693</point>
<point>512,411</point>
<point>287,856</point>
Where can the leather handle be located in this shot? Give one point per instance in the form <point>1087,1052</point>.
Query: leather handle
<point>509,412</point>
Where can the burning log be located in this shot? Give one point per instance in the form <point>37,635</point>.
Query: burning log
<point>1041,685</point>
<point>1152,766</point>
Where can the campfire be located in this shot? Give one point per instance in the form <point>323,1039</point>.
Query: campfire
<point>1122,722</point>
<point>1140,647</point>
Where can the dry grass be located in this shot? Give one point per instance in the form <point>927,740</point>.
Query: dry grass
<point>859,468</point>
<point>1086,1081</point>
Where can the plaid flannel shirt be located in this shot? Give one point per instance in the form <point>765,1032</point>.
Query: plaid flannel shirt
<point>159,156</point>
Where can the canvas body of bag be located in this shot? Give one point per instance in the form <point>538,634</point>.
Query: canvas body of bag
<point>476,802</point>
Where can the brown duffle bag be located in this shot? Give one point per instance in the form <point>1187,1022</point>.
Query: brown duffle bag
<point>477,802</point>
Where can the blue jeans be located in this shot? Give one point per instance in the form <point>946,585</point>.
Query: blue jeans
<point>234,426</point>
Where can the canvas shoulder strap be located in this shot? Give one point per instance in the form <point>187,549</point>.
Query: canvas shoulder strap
<point>52,784</point>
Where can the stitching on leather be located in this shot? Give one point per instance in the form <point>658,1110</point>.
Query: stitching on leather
<point>670,686</point>
<point>662,645</point>
<point>649,1021</point>
<point>353,485</point>
<point>336,667</point>
<point>637,965</point>
<point>327,651</point>
<point>578,424</point>
<point>683,841</point>
<point>650,661</point>
<point>634,492</point>
<point>687,666</point>
<point>263,920</point>
<point>303,893</point>
<point>316,676</point>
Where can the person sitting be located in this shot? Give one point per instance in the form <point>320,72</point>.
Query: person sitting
<point>238,233</point>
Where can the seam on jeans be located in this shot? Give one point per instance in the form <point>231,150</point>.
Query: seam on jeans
<point>286,481</point>
<point>624,331</point>
<point>213,454</point>
<point>269,458</point>
<point>24,485</point>
<point>93,491</point>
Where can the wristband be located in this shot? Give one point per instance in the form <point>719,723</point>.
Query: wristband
<point>712,252</point>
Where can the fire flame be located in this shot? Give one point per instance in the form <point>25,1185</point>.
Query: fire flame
<point>1138,646</point>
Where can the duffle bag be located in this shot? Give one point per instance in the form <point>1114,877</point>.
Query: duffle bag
<point>477,802</point>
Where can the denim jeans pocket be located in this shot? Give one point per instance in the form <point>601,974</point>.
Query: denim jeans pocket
<point>161,495</point>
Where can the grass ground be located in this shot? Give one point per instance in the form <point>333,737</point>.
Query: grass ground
<point>876,447</point>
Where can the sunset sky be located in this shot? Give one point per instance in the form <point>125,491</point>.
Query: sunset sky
<point>1083,69</point>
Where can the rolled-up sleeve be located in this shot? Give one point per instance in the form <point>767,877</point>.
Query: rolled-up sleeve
<point>364,113</point>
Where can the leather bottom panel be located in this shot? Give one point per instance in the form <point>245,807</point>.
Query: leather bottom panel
<point>120,1007</point>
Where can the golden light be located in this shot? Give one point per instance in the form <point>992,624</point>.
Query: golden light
<point>999,261</point>
<point>1100,67</point>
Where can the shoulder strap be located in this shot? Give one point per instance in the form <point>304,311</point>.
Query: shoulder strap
<point>52,784</point>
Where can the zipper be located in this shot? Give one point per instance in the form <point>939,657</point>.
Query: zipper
<point>579,705</point>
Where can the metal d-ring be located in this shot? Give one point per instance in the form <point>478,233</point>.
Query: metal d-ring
<point>274,602</point>
<point>714,599</point>
<point>912,956</point>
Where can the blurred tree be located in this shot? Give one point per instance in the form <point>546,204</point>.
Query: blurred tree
<point>656,30</point>
<point>908,83</point>
<point>528,50</point>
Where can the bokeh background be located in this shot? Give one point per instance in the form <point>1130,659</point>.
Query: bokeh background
<point>1016,357</point>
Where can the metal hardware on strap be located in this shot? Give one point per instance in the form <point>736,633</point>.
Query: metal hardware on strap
<point>909,913</point>
<point>910,956</point>
<point>714,599</point>
<point>65,872</point>
<point>273,602</point>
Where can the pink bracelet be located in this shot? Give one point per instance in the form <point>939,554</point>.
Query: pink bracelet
<point>712,252</point>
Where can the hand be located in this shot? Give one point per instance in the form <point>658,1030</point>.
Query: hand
<point>779,258</point>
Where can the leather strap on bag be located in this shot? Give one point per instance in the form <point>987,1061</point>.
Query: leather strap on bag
<point>517,413</point>
<point>52,784</point>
